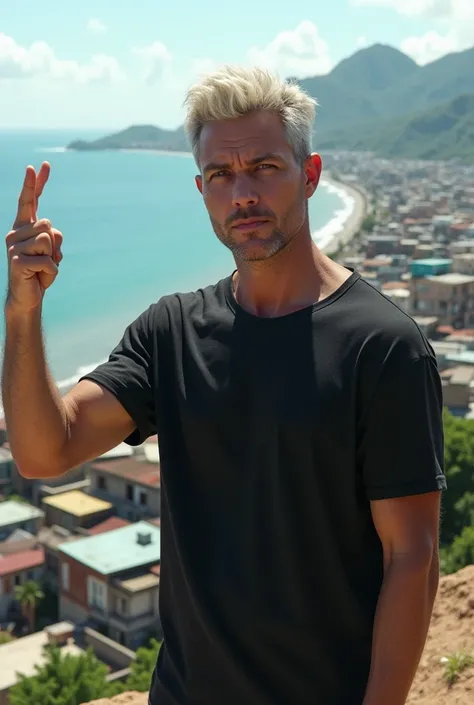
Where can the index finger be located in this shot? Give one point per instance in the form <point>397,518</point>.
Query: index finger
<point>27,199</point>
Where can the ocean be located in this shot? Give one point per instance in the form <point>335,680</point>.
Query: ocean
<point>134,227</point>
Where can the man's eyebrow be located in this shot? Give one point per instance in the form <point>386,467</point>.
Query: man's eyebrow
<point>218,166</point>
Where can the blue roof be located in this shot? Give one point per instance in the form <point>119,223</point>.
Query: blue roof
<point>434,262</point>
<point>117,550</point>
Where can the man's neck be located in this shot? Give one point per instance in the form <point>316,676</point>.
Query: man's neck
<point>296,277</point>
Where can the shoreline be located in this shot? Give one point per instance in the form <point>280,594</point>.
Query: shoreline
<point>352,223</point>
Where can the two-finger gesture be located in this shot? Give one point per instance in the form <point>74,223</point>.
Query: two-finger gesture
<point>33,246</point>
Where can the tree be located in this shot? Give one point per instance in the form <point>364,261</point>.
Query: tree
<point>458,499</point>
<point>29,595</point>
<point>142,667</point>
<point>460,553</point>
<point>63,680</point>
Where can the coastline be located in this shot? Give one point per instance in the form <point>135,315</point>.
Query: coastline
<point>347,222</point>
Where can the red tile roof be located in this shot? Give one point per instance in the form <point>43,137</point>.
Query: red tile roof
<point>108,525</point>
<point>132,469</point>
<point>21,561</point>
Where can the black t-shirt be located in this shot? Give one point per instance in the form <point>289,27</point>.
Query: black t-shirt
<point>275,433</point>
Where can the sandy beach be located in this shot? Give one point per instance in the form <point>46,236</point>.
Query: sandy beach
<point>352,224</point>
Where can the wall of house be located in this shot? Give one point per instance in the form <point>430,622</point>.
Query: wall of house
<point>116,492</point>
<point>76,591</point>
<point>71,611</point>
<point>8,584</point>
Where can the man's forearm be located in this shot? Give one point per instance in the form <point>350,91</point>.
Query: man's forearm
<point>401,626</point>
<point>34,412</point>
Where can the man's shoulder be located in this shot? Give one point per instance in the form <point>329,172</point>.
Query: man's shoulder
<point>382,325</point>
<point>204,301</point>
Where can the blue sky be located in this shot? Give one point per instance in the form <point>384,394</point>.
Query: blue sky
<point>96,64</point>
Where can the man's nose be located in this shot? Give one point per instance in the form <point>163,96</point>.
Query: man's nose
<point>244,194</point>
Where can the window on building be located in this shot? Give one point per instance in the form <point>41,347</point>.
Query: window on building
<point>143,498</point>
<point>30,575</point>
<point>96,594</point>
<point>101,483</point>
<point>17,579</point>
<point>65,576</point>
<point>129,492</point>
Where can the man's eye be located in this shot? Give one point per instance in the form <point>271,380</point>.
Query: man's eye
<point>266,166</point>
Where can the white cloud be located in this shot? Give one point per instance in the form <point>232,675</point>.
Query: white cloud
<point>95,25</point>
<point>361,42</point>
<point>156,61</point>
<point>39,60</point>
<point>454,25</point>
<point>300,52</point>
<point>429,46</point>
<point>427,8</point>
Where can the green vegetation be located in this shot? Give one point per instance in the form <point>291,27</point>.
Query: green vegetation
<point>445,132</point>
<point>142,668</point>
<point>5,637</point>
<point>378,100</point>
<point>137,137</point>
<point>64,680</point>
<point>73,680</point>
<point>29,596</point>
<point>455,665</point>
<point>457,524</point>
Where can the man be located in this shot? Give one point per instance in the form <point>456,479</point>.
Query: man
<point>299,420</point>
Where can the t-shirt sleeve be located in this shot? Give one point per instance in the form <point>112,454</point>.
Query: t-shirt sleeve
<point>129,372</point>
<point>401,442</point>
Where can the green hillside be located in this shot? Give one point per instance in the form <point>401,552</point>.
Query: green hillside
<point>445,132</point>
<point>379,88</point>
<point>137,137</point>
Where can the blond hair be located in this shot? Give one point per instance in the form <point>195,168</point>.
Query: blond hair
<point>234,91</point>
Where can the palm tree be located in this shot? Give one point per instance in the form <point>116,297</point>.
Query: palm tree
<point>28,595</point>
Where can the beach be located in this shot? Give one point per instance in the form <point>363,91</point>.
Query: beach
<point>351,219</point>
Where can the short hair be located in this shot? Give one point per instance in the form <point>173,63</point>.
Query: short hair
<point>234,91</point>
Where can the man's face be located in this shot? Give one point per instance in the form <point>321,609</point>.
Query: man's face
<point>253,188</point>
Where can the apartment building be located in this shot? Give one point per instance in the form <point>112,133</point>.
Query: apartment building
<point>75,510</point>
<point>16,515</point>
<point>16,569</point>
<point>110,582</point>
<point>130,482</point>
<point>449,297</point>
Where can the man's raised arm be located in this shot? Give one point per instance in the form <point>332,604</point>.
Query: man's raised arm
<point>48,434</point>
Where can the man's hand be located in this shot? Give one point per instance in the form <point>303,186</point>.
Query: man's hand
<point>33,246</point>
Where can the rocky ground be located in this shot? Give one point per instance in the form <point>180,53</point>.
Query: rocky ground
<point>450,640</point>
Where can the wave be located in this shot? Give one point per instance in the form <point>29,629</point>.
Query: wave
<point>336,225</point>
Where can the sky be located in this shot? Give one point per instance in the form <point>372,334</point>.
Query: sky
<point>94,64</point>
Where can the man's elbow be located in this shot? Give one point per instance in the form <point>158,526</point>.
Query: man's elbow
<point>32,470</point>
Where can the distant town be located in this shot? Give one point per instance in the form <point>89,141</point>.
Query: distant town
<point>80,554</point>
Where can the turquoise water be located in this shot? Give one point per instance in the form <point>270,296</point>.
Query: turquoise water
<point>134,228</point>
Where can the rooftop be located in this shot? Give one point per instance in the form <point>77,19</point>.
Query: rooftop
<point>77,503</point>
<point>452,279</point>
<point>433,262</point>
<point>24,560</point>
<point>23,655</point>
<point>13,512</point>
<point>141,582</point>
<point>109,524</point>
<point>145,472</point>
<point>116,551</point>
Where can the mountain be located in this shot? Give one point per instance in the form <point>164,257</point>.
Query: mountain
<point>445,132</point>
<point>379,86</point>
<point>137,137</point>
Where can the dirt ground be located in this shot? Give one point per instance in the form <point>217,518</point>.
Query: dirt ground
<point>451,632</point>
